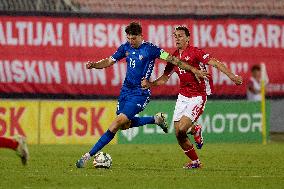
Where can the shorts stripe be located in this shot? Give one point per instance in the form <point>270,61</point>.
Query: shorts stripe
<point>204,99</point>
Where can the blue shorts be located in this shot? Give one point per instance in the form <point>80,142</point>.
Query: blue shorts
<point>131,102</point>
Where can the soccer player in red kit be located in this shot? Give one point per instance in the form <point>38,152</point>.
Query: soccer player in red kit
<point>18,144</point>
<point>192,94</point>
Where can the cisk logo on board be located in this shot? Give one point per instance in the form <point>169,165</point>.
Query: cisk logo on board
<point>19,117</point>
<point>78,122</point>
<point>56,122</point>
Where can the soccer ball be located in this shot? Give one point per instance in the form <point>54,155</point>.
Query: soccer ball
<point>102,160</point>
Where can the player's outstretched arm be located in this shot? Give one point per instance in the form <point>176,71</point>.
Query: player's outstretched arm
<point>238,80</point>
<point>104,63</point>
<point>198,73</point>
<point>145,84</point>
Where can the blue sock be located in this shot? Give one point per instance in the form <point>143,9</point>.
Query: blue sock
<point>140,121</point>
<point>104,140</point>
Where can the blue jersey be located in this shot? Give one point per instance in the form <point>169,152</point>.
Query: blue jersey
<point>140,62</point>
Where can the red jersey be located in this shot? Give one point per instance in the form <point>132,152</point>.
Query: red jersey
<point>189,85</point>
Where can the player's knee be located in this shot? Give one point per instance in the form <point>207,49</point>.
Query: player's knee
<point>182,128</point>
<point>181,133</point>
<point>126,126</point>
<point>118,123</point>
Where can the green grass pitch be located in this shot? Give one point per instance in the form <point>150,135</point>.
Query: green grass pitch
<point>147,166</point>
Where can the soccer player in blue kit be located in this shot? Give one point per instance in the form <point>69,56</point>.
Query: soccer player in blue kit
<point>140,57</point>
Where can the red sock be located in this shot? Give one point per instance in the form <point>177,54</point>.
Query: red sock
<point>8,143</point>
<point>191,153</point>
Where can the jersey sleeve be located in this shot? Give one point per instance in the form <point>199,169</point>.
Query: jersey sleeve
<point>169,69</point>
<point>202,56</point>
<point>119,54</point>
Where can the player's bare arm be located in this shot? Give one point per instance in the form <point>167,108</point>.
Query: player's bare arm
<point>104,63</point>
<point>145,84</point>
<point>183,65</point>
<point>238,80</point>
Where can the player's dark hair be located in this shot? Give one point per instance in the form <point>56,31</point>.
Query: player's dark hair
<point>255,68</point>
<point>134,28</point>
<point>183,28</point>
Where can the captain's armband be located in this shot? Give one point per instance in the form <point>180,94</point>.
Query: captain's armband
<point>164,55</point>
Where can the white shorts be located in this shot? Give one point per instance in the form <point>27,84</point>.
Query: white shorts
<point>190,107</point>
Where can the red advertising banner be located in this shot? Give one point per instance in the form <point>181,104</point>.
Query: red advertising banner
<point>47,55</point>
